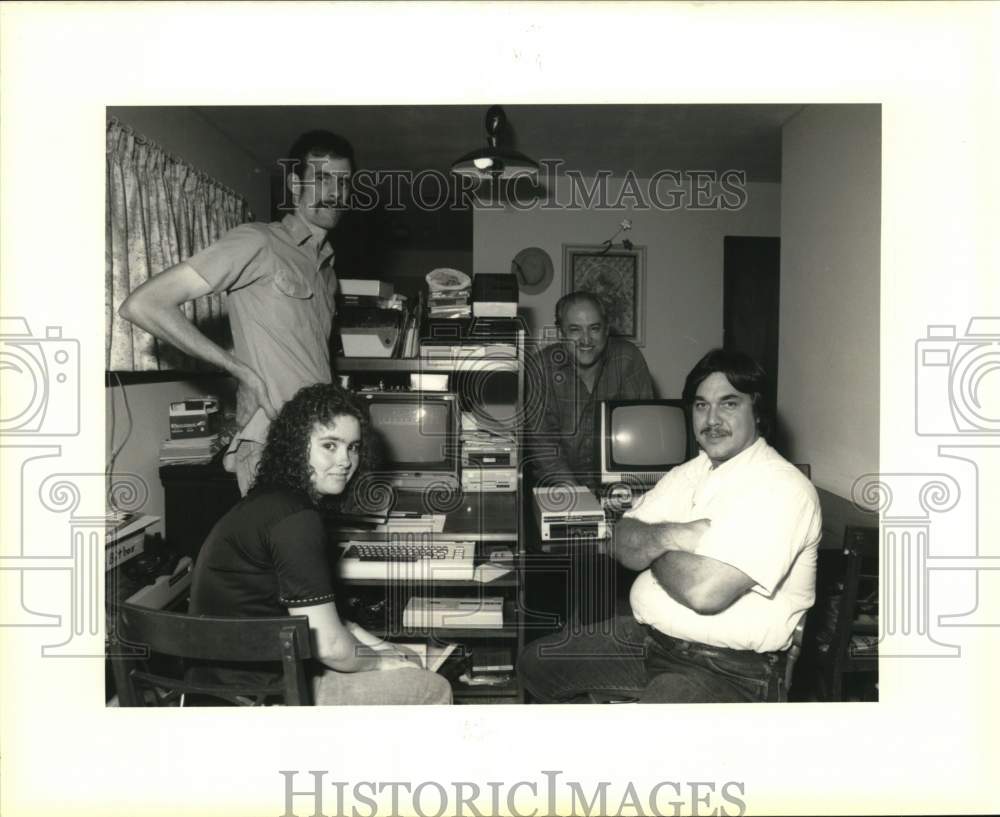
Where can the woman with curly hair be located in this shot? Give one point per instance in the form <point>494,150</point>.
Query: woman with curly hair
<point>268,557</point>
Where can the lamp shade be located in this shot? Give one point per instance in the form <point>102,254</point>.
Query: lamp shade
<point>493,161</point>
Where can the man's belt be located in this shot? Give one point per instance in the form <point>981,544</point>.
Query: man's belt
<point>672,644</point>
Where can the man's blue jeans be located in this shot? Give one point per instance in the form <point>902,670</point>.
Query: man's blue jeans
<point>622,659</point>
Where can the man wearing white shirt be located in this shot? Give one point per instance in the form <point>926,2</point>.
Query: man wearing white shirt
<point>727,548</point>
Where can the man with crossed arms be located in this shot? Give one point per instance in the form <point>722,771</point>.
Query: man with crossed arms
<point>727,545</point>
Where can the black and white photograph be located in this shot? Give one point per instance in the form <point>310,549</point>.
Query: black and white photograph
<point>490,430</point>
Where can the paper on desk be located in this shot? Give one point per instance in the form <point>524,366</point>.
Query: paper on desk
<point>432,656</point>
<point>488,571</point>
<point>428,523</point>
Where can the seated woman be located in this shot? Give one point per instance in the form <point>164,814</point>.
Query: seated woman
<point>268,555</point>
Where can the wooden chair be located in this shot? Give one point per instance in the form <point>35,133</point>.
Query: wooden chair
<point>792,656</point>
<point>853,646</point>
<point>159,679</point>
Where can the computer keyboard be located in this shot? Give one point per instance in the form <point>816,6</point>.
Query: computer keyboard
<point>408,561</point>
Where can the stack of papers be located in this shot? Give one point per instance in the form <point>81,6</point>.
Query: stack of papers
<point>189,449</point>
<point>432,656</point>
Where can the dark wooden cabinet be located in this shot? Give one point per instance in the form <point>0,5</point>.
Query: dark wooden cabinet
<point>195,498</point>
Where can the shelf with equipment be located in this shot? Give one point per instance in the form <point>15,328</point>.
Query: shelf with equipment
<point>488,381</point>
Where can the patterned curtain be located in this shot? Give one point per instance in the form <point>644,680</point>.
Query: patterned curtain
<point>160,211</point>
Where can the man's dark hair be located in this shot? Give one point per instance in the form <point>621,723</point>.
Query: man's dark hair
<point>317,143</point>
<point>744,373</point>
<point>579,297</point>
<point>285,461</point>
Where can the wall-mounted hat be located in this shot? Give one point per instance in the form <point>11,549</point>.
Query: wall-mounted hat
<point>533,268</point>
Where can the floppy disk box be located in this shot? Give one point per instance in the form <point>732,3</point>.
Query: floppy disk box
<point>194,417</point>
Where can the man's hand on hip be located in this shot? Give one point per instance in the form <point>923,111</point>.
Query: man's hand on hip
<point>258,388</point>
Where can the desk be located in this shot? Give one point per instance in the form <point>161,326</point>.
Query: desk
<point>490,520</point>
<point>195,498</point>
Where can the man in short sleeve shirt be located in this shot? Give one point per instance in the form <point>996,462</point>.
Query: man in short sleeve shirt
<point>727,548</point>
<point>280,283</point>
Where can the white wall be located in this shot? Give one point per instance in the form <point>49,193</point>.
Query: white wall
<point>148,404</point>
<point>684,255</point>
<point>828,388</point>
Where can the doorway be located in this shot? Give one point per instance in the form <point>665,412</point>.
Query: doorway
<point>751,289</point>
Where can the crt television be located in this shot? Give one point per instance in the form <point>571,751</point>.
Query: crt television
<point>640,440</point>
<point>416,438</point>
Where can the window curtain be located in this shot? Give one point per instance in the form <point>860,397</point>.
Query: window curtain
<point>160,210</point>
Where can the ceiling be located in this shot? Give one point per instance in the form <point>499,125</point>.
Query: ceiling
<point>587,138</point>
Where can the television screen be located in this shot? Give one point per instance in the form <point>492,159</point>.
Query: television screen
<point>648,436</point>
<point>640,440</point>
<point>412,432</point>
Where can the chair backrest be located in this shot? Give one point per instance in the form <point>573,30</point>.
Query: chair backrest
<point>282,640</point>
<point>861,551</point>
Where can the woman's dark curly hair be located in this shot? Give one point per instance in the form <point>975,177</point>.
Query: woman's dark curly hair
<point>285,461</point>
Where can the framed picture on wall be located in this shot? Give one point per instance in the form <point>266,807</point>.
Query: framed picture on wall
<point>615,275</point>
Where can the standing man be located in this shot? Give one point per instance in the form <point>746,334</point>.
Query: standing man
<point>584,368</point>
<point>727,545</point>
<point>280,281</point>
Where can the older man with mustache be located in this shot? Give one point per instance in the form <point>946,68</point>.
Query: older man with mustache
<point>585,367</point>
<point>727,548</point>
<point>280,281</point>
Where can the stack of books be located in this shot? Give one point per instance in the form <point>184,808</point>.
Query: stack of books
<point>449,294</point>
<point>453,304</point>
<point>190,450</point>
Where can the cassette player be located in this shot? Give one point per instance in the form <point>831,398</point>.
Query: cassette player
<point>194,417</point>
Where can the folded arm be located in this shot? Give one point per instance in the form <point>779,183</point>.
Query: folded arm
<point>701,583</point>
<point>638,544</point>
<point>155,307</point>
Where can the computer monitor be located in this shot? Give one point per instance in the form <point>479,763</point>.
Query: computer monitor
<point>640,440</point>
<point>415,438</point>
